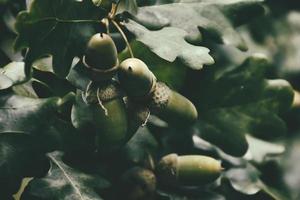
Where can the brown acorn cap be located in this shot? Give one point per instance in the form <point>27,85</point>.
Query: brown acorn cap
<point>101,57</point>
<point>106,91</point>
<point>160,97</point>
<point>137,184</point>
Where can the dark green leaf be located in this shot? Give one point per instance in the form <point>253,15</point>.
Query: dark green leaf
<point>236,100</point>
<point>21,156</point>
<point>64,182</point>
<point>140,149</point>
<point>25,114</point>
<point>58,28</point>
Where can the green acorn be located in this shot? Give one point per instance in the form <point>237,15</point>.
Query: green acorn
<point>101,57</point>
<point>140,84</point>
<point>137,184</point>
<point>102,108</point>
<point>189,170</point>
<point>172,106</point>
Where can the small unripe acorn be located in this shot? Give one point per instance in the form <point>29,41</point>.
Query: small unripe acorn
<point>108,117</point>
<point>101,57</point>
<point>140,83</point>
<point>189,170</point>
<point>137,184</point>
<point>136,78</point>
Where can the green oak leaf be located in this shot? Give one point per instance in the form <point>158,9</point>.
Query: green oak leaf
<point>64,182</point>
<point>215,19</point>
<point>260,150</point>
<point>247,181</point>
<point>78,76</point>
<point>25,114</point>
<point>20,157</point>
<point>140,150</point>
<point>169,44</point>
<point>39,118</point>
<point>57,28</point>
<point>12,74</point>
<point>236,100</point>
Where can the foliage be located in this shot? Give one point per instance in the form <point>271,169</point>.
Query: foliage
<point>236,60</point>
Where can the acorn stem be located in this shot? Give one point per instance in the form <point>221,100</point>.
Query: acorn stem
<point>113,11</point>
<point>105,21</point>
<point>123,36</point>
<point>84,94</point>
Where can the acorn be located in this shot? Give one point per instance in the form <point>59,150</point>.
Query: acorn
<point>103,109</point>
<point>140,84</point>
<point>137,184</point>
<point>172,107</point>
<point>101,57</point>
<point>188,170</point>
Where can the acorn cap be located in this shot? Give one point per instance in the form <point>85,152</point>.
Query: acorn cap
<point>136,78</point>
<point>105,91</point>
<point>101,57</point>
<point>137,184</point>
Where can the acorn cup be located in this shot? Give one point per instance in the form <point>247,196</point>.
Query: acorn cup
<point>101,106</point>
<point>137,184</point>
<point>141,85</point>
<point>189,170</point>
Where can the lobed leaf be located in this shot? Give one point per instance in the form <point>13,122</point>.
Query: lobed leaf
<point>171,45</point>
<point>215,19</point>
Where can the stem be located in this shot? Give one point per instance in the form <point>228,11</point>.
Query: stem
<point>113,11</point>
<point>124,37</point>
<point>106,22</point>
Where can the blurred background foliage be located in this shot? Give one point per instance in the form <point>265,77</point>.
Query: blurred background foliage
<point>237,94</point>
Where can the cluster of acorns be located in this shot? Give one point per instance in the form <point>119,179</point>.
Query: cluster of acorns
<point>121,97</point>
